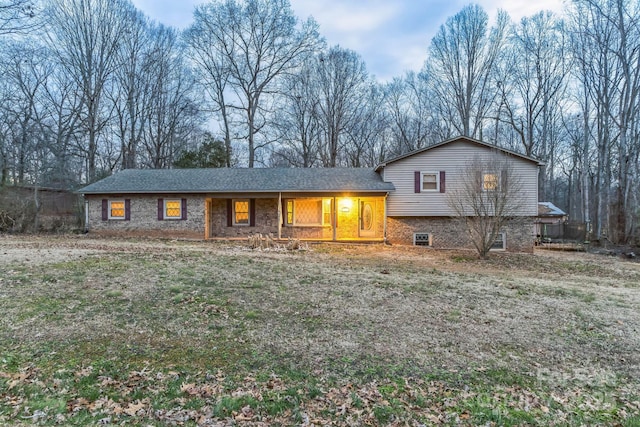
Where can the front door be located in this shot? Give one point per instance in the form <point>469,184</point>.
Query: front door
<point>367,218</point>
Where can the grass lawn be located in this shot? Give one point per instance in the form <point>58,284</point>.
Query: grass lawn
<point>153,332</point>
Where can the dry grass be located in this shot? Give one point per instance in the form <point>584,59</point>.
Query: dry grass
<point>552,324</point>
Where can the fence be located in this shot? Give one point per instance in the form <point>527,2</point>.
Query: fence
<point>58,209</point>
<point>563,232</point>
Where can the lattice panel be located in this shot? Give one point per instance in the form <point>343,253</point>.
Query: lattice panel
<point>117,209</point>
<point>173,209</point>
<point>242,211</point>
<point>308,211</point>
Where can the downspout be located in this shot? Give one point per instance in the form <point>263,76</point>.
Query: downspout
<point>384,221</point>
<point>86,214</point>
<point>280,216</point>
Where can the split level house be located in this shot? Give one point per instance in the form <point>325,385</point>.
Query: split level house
<point>401,201</point>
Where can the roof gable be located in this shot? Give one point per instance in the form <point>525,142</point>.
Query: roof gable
<point>241,180</point>
<point>457,139</point>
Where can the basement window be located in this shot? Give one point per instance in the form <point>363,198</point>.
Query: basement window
<point>500,244</point>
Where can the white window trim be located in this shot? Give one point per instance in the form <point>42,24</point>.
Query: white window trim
<point>500,236</point>
<point>437,189</point>
<point>233,204</point>
<point>315,224</point>
<point>124,210</point>
<point>164,207</point>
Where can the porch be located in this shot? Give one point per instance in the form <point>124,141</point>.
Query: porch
<point>316,217</point>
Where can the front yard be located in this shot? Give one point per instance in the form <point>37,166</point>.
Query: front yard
<point>155,332</point>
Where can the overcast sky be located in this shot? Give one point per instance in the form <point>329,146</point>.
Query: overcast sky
<point>392,36</point>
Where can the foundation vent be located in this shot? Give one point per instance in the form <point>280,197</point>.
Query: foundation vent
<point>422,239</point>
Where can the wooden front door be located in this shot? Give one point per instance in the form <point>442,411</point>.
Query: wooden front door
<point>367,220</point>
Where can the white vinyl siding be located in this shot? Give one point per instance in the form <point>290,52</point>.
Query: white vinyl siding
<point>453,159</point>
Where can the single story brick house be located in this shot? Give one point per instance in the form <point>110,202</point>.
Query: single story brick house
<point>401,201</point>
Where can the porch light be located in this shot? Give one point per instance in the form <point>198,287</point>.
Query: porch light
<point>346,205</point>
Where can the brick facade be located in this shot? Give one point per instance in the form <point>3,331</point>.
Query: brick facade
<point>144,217</point>
<point>207,218</point>
<point>266,219</point>
<point>448,233</point>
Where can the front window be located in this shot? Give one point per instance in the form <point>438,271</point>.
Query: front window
<point>116,209</point>
<point>430,181</point>
<point>173,209</point>
<point>241,212</point>
<point>489,181</point>
<point>308,212</point>
<point>290,212</point>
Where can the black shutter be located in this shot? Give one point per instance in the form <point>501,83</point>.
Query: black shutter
<point>127,209</point>
<point>252,212</point>
<point>160,209</point>
<point>284,211</point>
<point>442,181</point>
<point>416,182</point>
<point>184,209</point>
<point>105,209</point>
<point>229,212</point>
<point>503,181</point>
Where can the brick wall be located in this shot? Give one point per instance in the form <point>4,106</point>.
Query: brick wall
<point>448,233</point>
<point>144,217</point>
<point>266,219</point>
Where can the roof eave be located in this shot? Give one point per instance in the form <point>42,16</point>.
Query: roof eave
<point>343,190</point>
<point>448,141</point>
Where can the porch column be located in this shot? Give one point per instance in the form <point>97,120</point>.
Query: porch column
<point>86,214</point>
<point>335,219</point>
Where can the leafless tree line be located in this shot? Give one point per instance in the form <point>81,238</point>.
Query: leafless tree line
<point>92,86</point>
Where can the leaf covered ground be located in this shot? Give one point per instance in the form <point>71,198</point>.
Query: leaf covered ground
<point>159,332</point>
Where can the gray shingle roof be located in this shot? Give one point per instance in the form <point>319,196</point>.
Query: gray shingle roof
<point>227,180</point>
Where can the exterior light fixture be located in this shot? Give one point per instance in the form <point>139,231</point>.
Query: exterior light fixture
<point>346,205</point>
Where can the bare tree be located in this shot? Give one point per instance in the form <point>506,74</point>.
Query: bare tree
<point>17,16</point>
<point>537,79</point>
<point>28,70</point>
<point>462,60</point>
<point>486,196</point>
<point>130,88</point>
<point>171,112</point>
<point>86,36</point>
<point>410,114</point>
<point>251,43</point>
<point>342,83</point>
<point>364,141</point>
<point>297,124</point>
<point>211,67</point>
<point>606,44</point>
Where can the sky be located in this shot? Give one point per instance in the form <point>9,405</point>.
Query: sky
<point>392,36</point>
